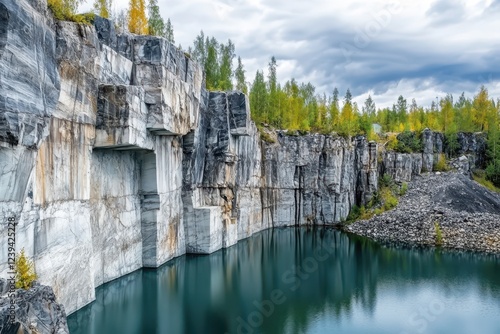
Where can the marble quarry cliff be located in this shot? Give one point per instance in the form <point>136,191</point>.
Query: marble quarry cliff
<point>114,156</point>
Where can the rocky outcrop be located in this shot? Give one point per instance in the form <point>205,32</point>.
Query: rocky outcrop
<point>468,215</point>
<point>405,166</point>
<point>33,311</point>
<point>91,168</point>
<point>316,179</point>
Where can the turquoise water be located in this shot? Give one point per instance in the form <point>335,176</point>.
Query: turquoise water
<point>303,281</point>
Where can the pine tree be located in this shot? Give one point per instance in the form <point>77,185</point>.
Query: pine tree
<point>137,21</point>
<point>25,271</point>
<point>273,92</point>
<point>169,33</point>
<point>212,69</point>
<point>199,52</point>
<point>156,25</point>
<point>121,20</point>
<point>464,115</point>
<point>103,8</point>
<point>226,66</point>
<point>368,118</point>
<point>334,110</point>
<point>402,110</point>
<point>447,113</point>
<point>309,113</point>
<point>322,114</point>
<point>239,74</point>
<point>347,124</point>
<point>480,107</point>
<point>258,98</point>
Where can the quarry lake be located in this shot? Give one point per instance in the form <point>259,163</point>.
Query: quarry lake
<point>303,281</point>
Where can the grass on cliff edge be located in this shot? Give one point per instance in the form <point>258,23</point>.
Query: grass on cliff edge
<point>384,200</point>
<point>64,12</point>
<point>265,134</point>
<point>480,177</point>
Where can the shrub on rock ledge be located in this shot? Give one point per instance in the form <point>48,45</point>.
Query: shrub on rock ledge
<point>25,271</point>
<point>441,165</point>
<point>439,234</point>
<point>64,10</point>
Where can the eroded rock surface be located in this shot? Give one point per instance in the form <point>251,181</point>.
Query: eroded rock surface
<point>405,166</point>
<point>35,311</point>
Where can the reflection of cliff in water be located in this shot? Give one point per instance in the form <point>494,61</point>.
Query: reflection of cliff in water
<point>207,294</point>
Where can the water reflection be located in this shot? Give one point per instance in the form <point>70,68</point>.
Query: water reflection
<point>301,281</point>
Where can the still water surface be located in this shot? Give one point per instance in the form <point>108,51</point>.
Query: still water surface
<point>303,281</point>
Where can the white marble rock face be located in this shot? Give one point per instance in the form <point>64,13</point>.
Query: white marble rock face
<point>115,215</point>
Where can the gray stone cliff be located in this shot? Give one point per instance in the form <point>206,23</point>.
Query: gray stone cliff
<point>114,156</point>
<point>405,166</point>
<point>33,311</point>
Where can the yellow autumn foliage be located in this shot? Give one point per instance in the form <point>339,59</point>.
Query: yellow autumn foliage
<point>25,271</point>
<point>137,19</point>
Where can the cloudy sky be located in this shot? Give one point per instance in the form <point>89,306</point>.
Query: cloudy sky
<point>418,49</point>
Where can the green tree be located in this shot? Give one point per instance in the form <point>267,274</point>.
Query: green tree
<point>322,123</point>
<point>199,52</point>
<point>463,114</point>
<point>367,118</point>
<point>212,69</point>
<point>156,25</point>
<point>64,9</point>
<point>226,66</point>
<point>347,124</point>
<point>480,108</point>
<point>239,73</point>
<point>402,111</point>
<point>447,114</point>
<point>169,32</point>
<point>103,8</point>
<point>369,107</point>
<point>273,92</point>
<point>309,112</point>
<point>258,98</point>
<point>121,20</point>
<point>334,110</point>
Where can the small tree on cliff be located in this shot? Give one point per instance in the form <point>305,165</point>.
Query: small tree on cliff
<point>64,9</point>
<point>156,25</point>
<point>239,73</point>
<point>348,117</point>
<point>169,32</point>
<point>137,21</point>
<point>25,271</point>
<point>103,8</point>
<point>226,66</point>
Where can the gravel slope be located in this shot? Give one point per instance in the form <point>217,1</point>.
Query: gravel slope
<point>468,214</point>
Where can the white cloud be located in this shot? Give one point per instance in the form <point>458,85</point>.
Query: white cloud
<point>387,48</point>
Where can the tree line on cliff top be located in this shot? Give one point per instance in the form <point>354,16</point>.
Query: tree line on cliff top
<point>296,105</point>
